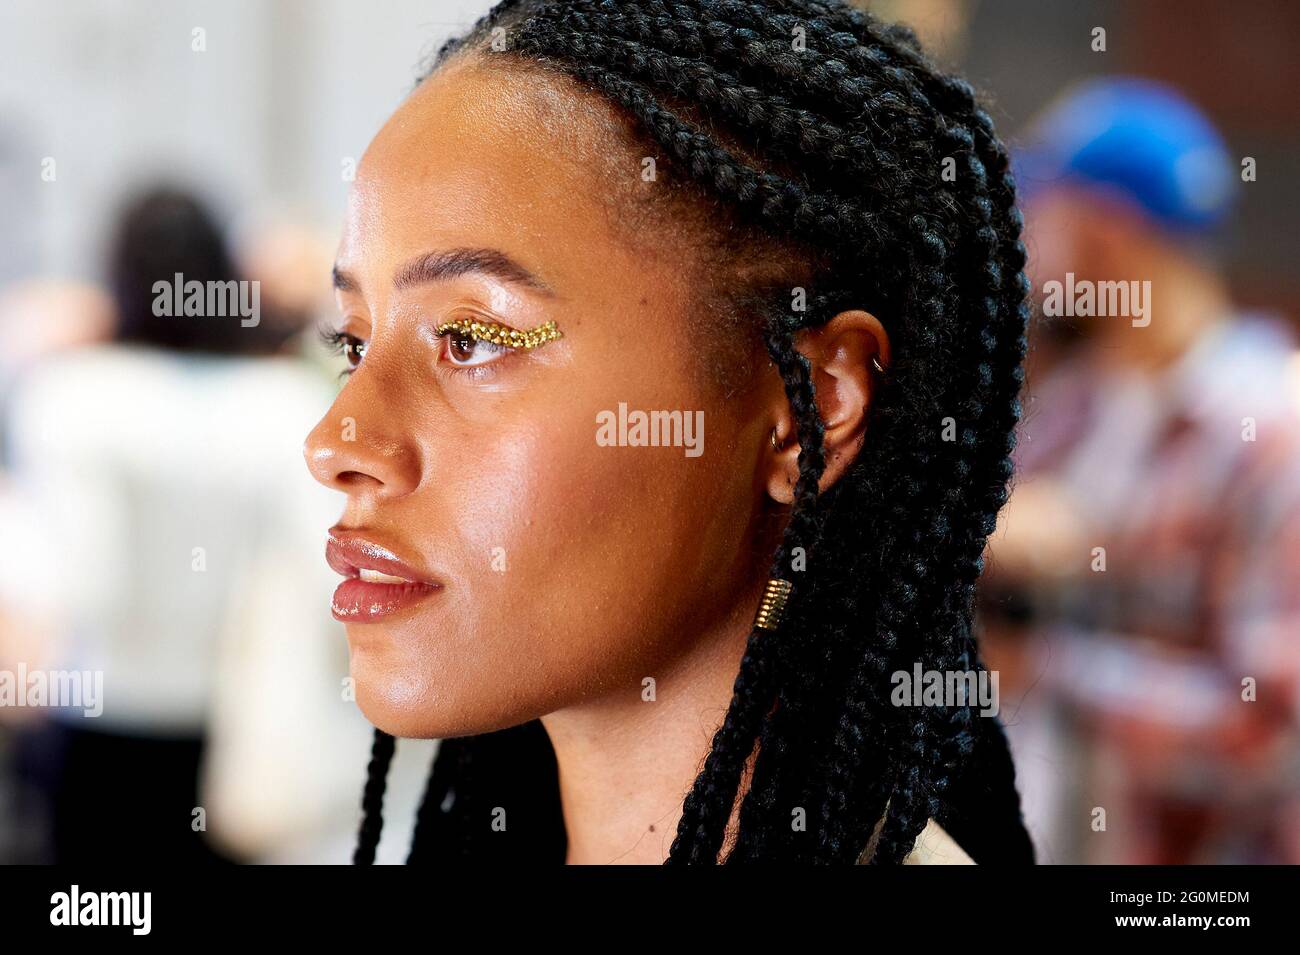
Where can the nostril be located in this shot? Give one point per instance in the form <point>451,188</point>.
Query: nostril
<point>382,464</point>
<point>356,479</point>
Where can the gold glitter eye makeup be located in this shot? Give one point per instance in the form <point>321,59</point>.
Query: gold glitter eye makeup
<point>499,334</point>
<point>472,343</point>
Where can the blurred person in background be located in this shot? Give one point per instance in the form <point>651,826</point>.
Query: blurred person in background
<point>1145,580</point>
<point>169,537</point>
<point>38,318</point>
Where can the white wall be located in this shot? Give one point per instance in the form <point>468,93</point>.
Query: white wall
<point>260,121</point>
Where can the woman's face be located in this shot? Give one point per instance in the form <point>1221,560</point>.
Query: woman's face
<point>549,568</point>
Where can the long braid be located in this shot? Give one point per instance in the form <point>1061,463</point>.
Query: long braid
<point>733,747</point>
<point>993,397</point>
<point>851,133</point>
<point>372,800</point>
<point>439,797</point>
<point>707,807</point>
<point>803,532</point>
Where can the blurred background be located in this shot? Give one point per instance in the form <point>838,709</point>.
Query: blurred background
<point>1142,598</point>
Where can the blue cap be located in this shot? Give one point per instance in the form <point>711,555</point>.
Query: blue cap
<point>1135,138</point>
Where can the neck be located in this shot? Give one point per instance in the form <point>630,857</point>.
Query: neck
<point>627,762</point>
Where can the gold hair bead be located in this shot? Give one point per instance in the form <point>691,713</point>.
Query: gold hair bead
<point>497,334</point>
<point>773,604</point>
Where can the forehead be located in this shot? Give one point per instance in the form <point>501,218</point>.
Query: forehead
<point>512,158</point>
<point>500,157</point>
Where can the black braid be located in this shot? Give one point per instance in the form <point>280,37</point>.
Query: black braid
<point>438,798</point>
<point>835,150</point>
<point>733,742</point>
<point>372,801</point>
<point>774,758</point>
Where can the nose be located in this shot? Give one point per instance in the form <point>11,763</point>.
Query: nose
<point>348,453</point>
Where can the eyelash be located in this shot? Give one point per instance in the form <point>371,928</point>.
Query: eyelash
<point>339,342</point>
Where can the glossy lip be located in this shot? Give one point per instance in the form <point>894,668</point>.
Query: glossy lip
<point>363,601</point>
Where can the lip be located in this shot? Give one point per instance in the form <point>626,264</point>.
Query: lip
<point>366,601</point>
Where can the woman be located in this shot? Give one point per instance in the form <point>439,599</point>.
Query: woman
<point>771,216</point>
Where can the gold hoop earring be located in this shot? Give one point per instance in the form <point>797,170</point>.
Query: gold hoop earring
<point>875,363</point>
<point>772,437</point>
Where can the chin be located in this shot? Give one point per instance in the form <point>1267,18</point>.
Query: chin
<point>403,721</point>
<point>408,711</point>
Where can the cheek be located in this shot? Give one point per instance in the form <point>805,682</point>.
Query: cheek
<point>583,566</point>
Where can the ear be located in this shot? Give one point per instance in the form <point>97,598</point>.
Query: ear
<point>845,381</point>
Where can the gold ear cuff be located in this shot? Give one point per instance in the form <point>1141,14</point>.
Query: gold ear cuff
<point>772,607</point>
<point>498,334</point>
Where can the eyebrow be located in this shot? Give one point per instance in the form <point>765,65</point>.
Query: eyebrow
<point>449,264</point>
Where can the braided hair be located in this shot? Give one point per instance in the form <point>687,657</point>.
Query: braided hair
<point>811,124</point>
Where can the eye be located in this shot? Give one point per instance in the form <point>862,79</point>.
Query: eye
<point>467,351</point>
<point>352,349</point>
<point>472,343</point>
